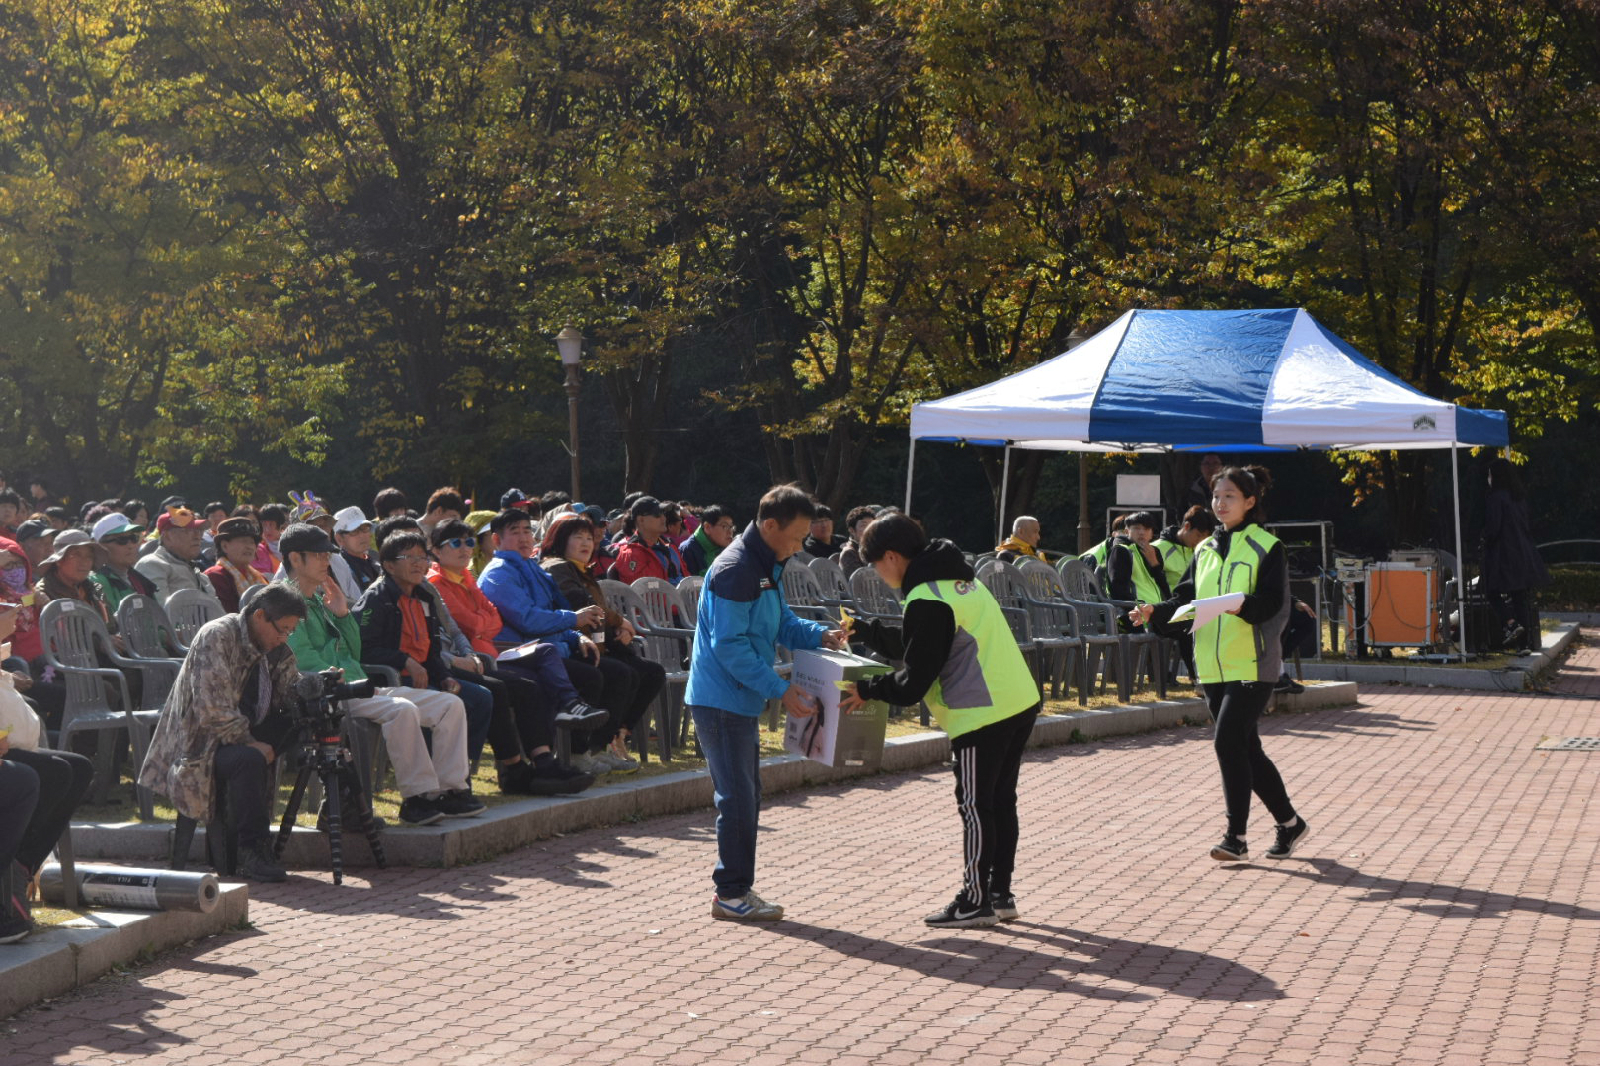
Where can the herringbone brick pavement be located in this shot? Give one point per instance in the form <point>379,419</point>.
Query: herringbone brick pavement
<point>1446,910</point>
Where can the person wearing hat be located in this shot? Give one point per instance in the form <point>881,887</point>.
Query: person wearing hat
<point>233,575</point>
<point>353,533</point>
<point>171,566</point>
<point>518,499</point>
<point>37,539</point>
<point>116,576</point>
<point>433,782</point>
<point>65,574</point>
<point>647,553</point>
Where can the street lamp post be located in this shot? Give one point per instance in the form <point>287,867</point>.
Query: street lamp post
<point>569,342</point>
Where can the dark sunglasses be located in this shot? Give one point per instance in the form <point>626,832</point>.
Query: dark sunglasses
<point>459,542</point>
<point>127,538</point>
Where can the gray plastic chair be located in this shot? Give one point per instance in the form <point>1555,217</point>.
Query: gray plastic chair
<point>1098,624</point>
<point>75,643</point>
<point>804,595</point>
<point>830,578</point>
<point>668,645</point>
<point>188,610</point>
<point>1046,600</point>
<point>874,599</point>
<point>689,596</point>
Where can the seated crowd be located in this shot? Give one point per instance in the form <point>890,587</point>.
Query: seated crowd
<point>477,626</point>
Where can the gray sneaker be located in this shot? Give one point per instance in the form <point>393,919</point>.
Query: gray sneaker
<point>590,764</point>
<point>619,763</point>
<point>746,908</point>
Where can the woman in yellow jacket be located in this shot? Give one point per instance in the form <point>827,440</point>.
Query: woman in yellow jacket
<point>1239,655</point>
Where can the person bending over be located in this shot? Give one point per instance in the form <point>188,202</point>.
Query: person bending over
<point>960,657</point>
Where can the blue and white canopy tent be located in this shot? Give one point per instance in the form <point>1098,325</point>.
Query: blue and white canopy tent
<point>1236,381</point>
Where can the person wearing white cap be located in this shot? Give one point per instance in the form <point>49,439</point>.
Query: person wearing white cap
<point>116,576</point>
<point>352,531</point>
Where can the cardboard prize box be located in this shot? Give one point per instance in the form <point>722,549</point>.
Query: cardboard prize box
<point>828,737</point>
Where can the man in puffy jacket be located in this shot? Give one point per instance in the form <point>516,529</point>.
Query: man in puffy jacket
<point>742,618</point>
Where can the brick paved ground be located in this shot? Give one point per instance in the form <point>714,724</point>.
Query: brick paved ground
<point>1447,910</point>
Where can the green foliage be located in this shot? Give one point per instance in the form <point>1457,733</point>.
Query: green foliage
<point>269,238</point>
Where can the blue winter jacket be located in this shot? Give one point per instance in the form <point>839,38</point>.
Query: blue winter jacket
<point>742,618</point>
<point>530,604</point>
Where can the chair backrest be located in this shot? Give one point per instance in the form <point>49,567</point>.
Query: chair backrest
<point>1079,581</point>
<point>830,578</point>
<point>662,604</point>
<point>188,610</point>
<point>627,602</point>
<point>1005,585</point>
<point>72,632</point>
<point>803,594</point>
<point>146,632</point>
<point>689,596</point>
<point>1047,597</point>
<point>871,595</point>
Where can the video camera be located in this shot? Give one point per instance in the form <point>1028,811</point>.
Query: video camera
<point>317,695</point>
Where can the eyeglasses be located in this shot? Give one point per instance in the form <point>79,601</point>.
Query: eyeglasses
<point>411,559</point>
<point>459,542</point>
<point>286,633</point>
<point>122,541</point>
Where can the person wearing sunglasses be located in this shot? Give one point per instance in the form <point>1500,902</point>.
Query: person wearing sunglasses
<point>116,576</point>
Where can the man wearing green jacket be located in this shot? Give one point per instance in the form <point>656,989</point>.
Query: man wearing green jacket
<point>433,786</point>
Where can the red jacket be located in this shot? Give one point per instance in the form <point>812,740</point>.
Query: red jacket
<point>636,559</point>
<point>478,618</point>
<point>26,642</point>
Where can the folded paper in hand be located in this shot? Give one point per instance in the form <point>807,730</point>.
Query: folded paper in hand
<point>521,651</point>
<point>1206,611</point>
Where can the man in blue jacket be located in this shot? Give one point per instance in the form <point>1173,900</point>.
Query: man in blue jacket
<point>742,618</point>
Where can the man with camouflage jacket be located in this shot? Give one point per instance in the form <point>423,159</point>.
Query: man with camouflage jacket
<point>227,719</point>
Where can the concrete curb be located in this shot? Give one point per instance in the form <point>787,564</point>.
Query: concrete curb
<point>1510,679</point>
<point>509,826</point>
<point>59,959</point>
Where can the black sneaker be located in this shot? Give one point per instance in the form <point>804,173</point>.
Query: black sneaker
<point>460,803</point>
<point>1288,684</point>
<point>579,715</point>
<point>13,927</point>
<point>1512,637</point>
<point>1289,837</point>
<point>257,863</point>
<point>960,914</point>
<point>557,780</point>
<point>1232,849</point>
<point>420,810</point>
<point>1005,907</point>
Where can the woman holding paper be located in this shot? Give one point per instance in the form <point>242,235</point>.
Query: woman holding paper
<point>960,657</point>
<point>1237,590</point>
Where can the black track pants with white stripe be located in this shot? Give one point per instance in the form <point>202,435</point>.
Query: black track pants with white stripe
<point>987,762</point>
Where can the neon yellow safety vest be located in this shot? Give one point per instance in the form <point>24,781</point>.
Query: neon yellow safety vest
<point>1096,556</point>
<point>1175,560</point>
<point>986,679</point>
<point>1231,649</point>
<point>1145,588</point>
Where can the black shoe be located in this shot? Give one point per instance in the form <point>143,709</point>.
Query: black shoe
<point>1512,637</point>
<point>257,863</point>
<point>1289,837</point>
<point>579,715</point>
<point>1232,849</point>
<point>1005,907</point>
<point>460,803</point>
<point>1288,684</point>
<point>420,810</point>
<point>13,927</point>
<point>558,780</point>
<point>961,914</point>
<point>515,779</point>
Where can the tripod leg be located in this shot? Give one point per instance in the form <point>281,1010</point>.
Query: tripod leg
<point>331,780</point>
<point>291,809</point>
<point>361,815</point>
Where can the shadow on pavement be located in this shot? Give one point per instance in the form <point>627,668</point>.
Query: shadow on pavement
<point>982,958</point>
<point>1443,901</point>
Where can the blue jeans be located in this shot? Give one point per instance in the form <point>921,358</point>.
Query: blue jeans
<point>479,703</point>
<point>731,743</point>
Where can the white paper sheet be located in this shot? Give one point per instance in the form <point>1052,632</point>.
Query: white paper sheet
<point>1206,611</point>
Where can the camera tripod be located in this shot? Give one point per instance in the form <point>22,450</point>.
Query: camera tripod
<point>324,754</point>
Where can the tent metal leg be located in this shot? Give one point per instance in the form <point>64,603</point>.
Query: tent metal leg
<point>1461,560</point>
<point>911,466</point>
<point>1005,483</point>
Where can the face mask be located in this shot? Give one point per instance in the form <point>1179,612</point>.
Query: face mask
<point>14,579</point>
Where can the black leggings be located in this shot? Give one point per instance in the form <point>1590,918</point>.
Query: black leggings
<point>987,763</point>
<point>64,779</point>
<point>1236,706</point>
<point>623,684</point>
